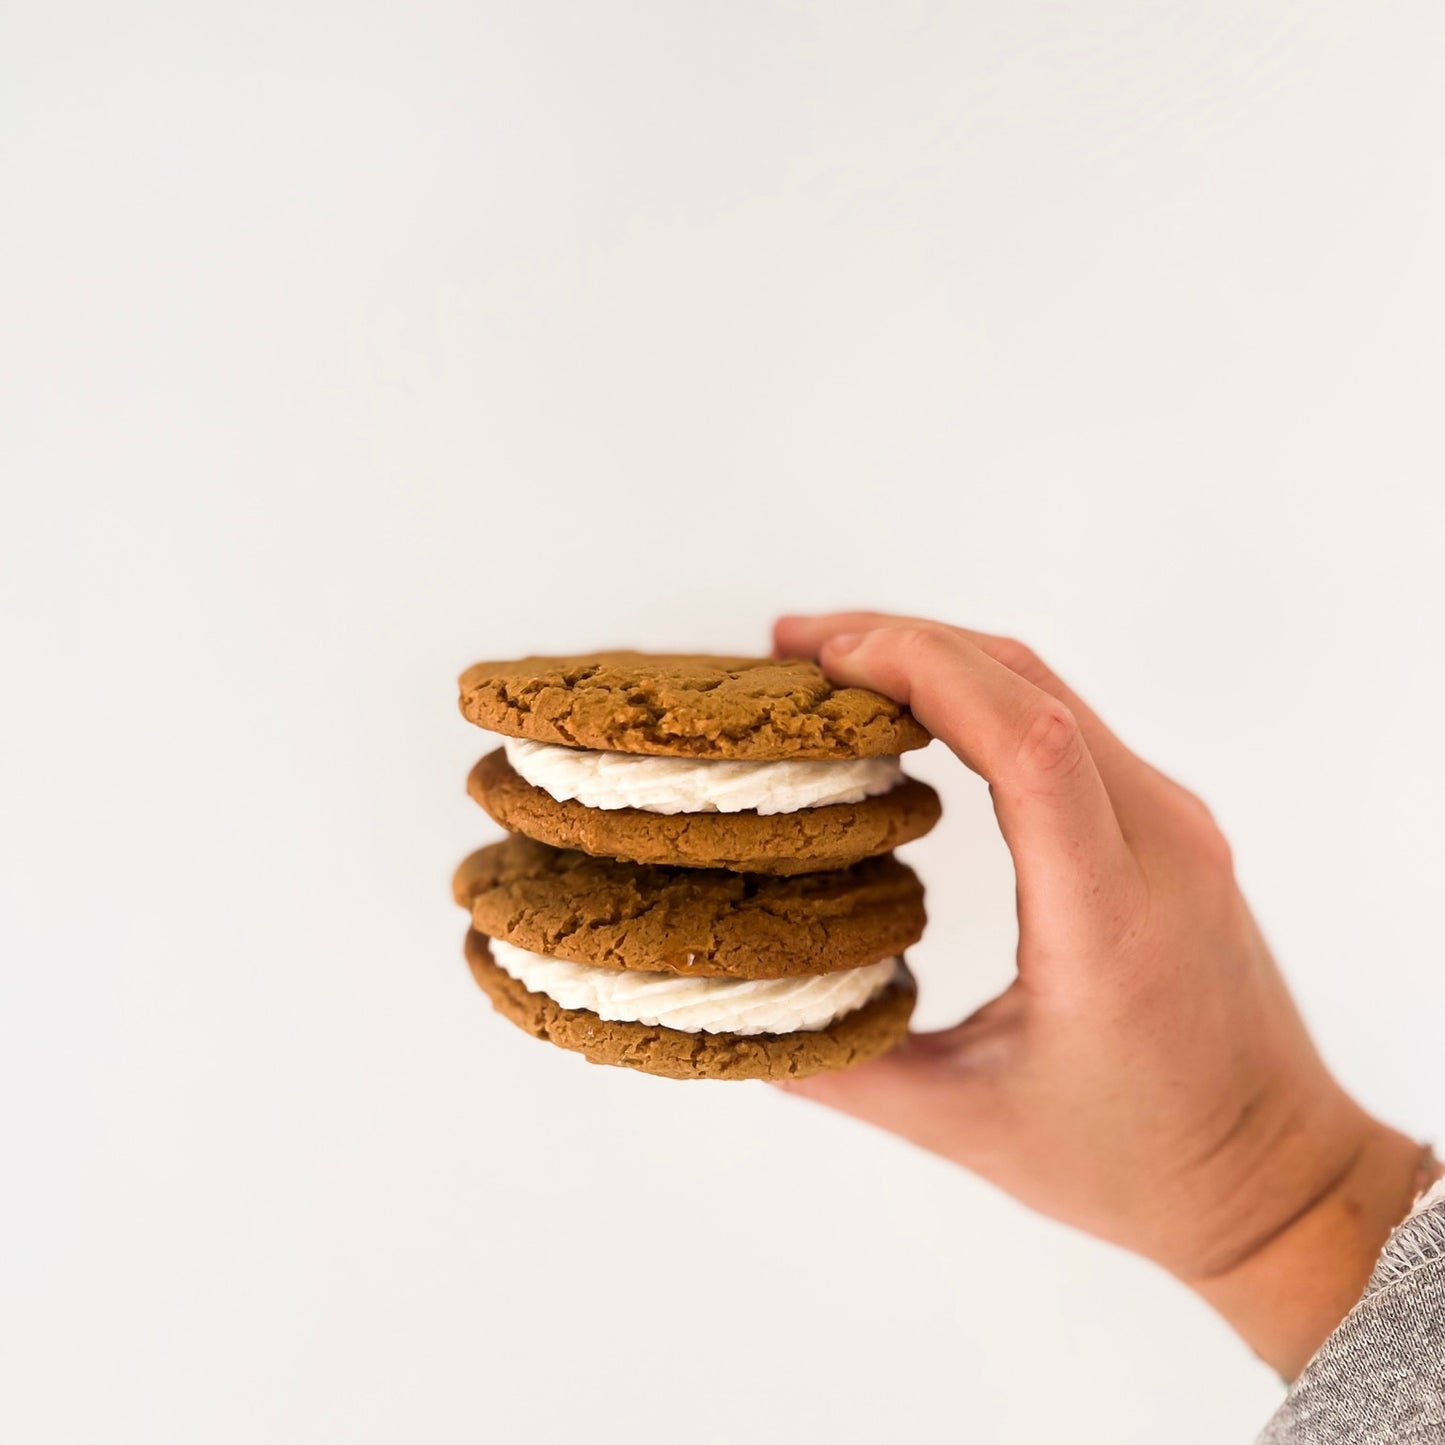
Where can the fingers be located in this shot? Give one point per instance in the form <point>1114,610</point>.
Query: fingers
<point>1124,774</point>
<point>1073,866</point>
<point>803,636</point>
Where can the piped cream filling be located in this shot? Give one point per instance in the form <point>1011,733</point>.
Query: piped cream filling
<point>610,780</point>
<point>698,1005</point>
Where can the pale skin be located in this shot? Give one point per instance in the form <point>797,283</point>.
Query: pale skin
<point>1147,1077</point>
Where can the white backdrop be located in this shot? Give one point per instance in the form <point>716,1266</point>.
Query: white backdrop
<point>342,345</point>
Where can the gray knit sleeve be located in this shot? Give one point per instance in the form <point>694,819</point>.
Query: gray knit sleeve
<point>1380,1378</point>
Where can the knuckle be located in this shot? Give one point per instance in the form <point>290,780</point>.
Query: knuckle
<point>1215,848</point>
<point>1051,747</point>
<point>916,644</point>
<point>1019,657</point>
<point>914,639</point>
<point>1205,836</point>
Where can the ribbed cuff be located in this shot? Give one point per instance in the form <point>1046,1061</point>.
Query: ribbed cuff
<point>1419,1240</point>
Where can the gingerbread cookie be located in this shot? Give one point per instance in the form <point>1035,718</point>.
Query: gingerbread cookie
<point>695,921</point>
<point>691,706</point>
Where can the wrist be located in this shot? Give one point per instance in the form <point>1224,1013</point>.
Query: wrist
<point>1287,1294</point>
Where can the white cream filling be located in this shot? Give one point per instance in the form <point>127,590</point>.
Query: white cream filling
<point>697,785</point>
<point>698,1005</point>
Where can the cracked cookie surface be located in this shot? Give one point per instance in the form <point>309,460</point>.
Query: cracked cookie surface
<point>691,706</point>
<point>700,921</point>
<point>834,836</point>
<point>863,1034</point>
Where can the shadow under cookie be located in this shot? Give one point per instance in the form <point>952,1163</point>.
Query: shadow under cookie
<point>671,1053</point>
<point>809,840</point>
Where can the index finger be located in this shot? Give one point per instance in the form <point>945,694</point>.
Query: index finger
<point>1125,774</point>
<point>1075,871</point>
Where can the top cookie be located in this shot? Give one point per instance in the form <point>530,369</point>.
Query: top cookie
<point>692,706</point>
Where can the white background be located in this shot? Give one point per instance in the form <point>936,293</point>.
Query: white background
<point>342,345</point>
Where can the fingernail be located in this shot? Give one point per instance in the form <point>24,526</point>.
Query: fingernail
<point>844,642</point>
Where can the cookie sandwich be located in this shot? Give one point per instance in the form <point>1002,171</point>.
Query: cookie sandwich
<point>706,762</point>
<point>693,972</point>
<point>700,882</point>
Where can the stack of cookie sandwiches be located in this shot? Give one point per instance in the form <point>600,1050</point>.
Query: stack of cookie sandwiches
<point>700,880</point>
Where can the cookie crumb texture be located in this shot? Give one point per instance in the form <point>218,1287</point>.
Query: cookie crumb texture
<point>689,706</point>
<point>696,921</point>
<point>835,836</point>
<point>674,1054</point>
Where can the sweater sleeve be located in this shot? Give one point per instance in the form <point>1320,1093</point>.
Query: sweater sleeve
<point>1380,1378</point>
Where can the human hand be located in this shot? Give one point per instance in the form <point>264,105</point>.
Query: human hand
<point>1147,1077</point>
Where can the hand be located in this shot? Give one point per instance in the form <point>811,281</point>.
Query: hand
<point>1146,1077</point>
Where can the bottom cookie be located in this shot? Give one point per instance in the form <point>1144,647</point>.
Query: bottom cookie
<point>674,1054</point>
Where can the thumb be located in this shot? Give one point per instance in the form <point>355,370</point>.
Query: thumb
<point>924,1091</point>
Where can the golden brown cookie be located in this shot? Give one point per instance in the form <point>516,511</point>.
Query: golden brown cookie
<point>701,921</point>
<point>693,706</point>
<point>834,836</point>
<point>674,1054</point>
